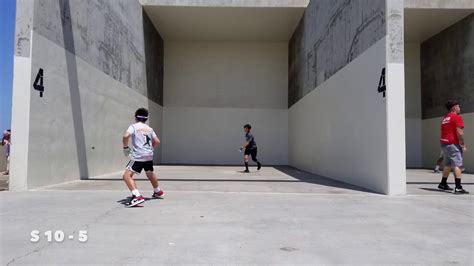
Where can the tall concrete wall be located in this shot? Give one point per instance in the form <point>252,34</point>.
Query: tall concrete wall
<point>95,76</point>
<point>336,114</point>
<point>226,3</point>
<point>212,89</point>
<point>440,4</point>
<point>413,120</point>
<point>329,36</point>
<point>447,72</point>
<point>447,63</point>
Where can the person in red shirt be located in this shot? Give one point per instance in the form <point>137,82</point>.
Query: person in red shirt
<point>453,146</point>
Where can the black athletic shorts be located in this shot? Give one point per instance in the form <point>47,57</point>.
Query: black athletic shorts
<point>252,152</point>
<point>137,167</point>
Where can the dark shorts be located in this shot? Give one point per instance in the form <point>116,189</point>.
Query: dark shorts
<point>251,152</point>
<point>137,167</point>
<point>452,155</point>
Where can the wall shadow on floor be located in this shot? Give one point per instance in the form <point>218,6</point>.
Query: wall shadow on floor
<point>318,180</point>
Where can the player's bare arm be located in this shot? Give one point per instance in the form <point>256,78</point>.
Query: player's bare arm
<point>125,139</point>
<point>460,132</point>
<point>156,142</point>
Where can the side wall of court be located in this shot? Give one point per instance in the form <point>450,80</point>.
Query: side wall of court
<point>339,125</point>
<point>95,75</point>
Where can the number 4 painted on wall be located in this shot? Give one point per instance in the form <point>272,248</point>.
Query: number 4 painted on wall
<point>38,84</point>
<point>382,88</point>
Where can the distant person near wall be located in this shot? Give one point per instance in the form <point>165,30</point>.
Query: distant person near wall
<point>452,143</point>
<point>6,143</point>
<point>250,147</point>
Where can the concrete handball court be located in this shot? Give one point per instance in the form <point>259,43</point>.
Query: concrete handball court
<point>343,97</point>
<point>214,215</point>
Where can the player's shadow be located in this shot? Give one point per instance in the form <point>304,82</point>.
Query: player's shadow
<point>126,201</point>
<point>436,190</point>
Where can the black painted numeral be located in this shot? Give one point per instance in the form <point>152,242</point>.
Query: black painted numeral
<point>38,84</point>
<point>382,88</point>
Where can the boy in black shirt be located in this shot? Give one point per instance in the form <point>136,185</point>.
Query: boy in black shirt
<point>250,147</point>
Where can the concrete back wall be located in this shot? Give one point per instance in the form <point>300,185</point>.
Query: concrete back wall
<point>447,69</point>
<point>95,76</point>
<point>447,64</point>
<point>413,105</point>
<point>212,89</point>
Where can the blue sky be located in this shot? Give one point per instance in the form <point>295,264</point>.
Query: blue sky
<point>7,40</point>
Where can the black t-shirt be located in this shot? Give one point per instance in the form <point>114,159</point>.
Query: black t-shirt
<point>252,144</point>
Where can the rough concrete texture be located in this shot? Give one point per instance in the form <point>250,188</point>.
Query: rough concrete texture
<point>451,4</point>
<point>227,3</point>
<point>447,69</point>
<point>329,36</point>
<point>23,27</point>
<point>261,218</point>
<point>75,129</point>
<point>106,34</point>
<point>395,36</point>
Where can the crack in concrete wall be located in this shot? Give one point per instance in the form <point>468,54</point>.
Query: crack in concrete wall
<point>329,36</point>
<point>107,34</point>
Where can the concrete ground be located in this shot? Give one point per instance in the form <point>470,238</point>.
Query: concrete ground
<point>217,215</point>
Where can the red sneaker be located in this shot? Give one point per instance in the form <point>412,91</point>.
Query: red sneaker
<point>158,195</point>
<point>136,200</point>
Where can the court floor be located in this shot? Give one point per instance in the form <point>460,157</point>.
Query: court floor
<point>217,215</point>
<point>281,179</point>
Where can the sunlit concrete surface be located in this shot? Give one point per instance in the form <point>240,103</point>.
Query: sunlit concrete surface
<point>423,181</point>
<point>217,215</point>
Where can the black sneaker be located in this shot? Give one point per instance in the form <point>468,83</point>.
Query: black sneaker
<point>460,190</point>
<point>444,187</point>
<point>246,171</point>
<point>259,166</point>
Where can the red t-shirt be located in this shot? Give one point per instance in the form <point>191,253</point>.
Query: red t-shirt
<point>449,127</point>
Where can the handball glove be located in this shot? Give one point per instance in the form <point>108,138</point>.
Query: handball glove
<point>126,151</point>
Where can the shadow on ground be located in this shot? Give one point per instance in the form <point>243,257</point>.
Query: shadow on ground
<point>126,201</point>
<point>316,179</point>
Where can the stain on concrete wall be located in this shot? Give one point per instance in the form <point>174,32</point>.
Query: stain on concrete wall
<point>106,34</point>
<point>447,69</point>
<point>329,36</point>
<point>23,25</point>
<point>154,51</point>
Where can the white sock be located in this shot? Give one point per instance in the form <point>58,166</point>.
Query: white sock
<point>136,193</point>
<point>437,168</point>
<point>157,189</point>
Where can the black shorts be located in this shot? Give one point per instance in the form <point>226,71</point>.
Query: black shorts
<point>252,152</point>
<point>137,167</point>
